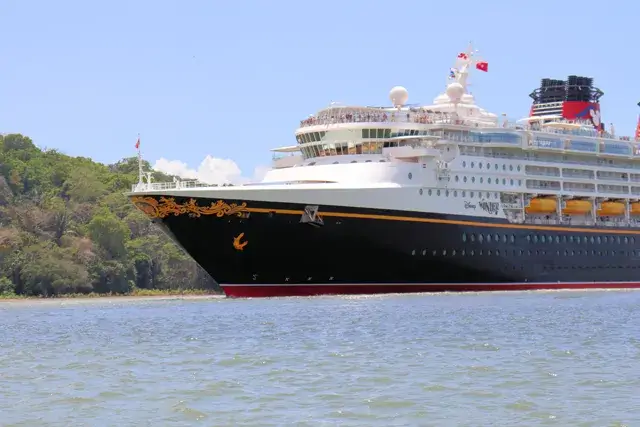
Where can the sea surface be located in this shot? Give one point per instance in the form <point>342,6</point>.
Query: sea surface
<point>501,359</point>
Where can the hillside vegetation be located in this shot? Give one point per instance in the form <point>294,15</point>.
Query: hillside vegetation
<point>66,228</point>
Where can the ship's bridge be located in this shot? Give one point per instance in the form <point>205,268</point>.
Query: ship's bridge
<point>367,130</point>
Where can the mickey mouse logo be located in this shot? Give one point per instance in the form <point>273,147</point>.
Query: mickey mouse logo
<point>595,117</point>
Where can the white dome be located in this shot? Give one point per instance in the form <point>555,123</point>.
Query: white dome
<point>399,96</point>
<point>455,91</point>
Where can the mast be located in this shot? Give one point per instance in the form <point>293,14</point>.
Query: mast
<point>140,174</point>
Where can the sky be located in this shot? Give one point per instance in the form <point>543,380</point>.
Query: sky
<point>211,86</point>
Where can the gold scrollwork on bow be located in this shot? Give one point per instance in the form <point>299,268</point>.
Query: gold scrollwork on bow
<point>165,206</point>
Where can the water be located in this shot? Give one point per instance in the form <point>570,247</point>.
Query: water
<point>551,358</point>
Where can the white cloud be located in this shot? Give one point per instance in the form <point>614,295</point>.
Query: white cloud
<point>211,170</point>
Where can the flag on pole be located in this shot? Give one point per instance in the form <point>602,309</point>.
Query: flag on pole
<point>482,66</point>
<point>463,55</point>
<point>638,130</point>
<point>138,143</point>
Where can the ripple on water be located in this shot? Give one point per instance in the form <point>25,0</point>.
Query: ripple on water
<point>486,359</point>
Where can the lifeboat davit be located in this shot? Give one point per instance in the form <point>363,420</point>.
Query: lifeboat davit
<point>542,205</point>
<point>611,209</point>
<point>577,207</point>
<point>635,208</point>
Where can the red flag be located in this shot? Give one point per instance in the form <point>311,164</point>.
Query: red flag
<point>638,130</point>
<point>462,55</point>
<point>138,143</point>
<point>482,66</point>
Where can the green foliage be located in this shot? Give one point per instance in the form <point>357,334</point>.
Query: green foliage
<point>67,229</point>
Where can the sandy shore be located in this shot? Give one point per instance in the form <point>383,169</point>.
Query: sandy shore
<point>106,298</point>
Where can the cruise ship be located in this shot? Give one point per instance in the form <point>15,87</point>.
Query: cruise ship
<point>434,198</point>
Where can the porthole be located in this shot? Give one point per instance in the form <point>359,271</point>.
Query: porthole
<point>496,238</point>
<point>511,167</point>
<point>480,165</point>
<point>438,192</point>
<point>413,252</point>
<point>504,238</point>
<point>496,166</point>
<point>455,194</point>
<point>444,252</point>
<point>518,168</point>
<point>511,183</point>
<point>504,167</point>
<point>599,239</point>
<point>626,239</point>
<point>472,237</point>
<point>481,180</point>
<point>420,191</point>
<point>488,166</point>
<point>410,175</point>
<point>488,238</point>
<point>453,252</point>
<point>513,238</point>
<point>464,193</point>
<point>489,180</point>
<point>464,237</point>
<point>457,178</point>
<point>504,181</point>
<point>473,179</point>
<point>464,179</point>
<point>480,238</point>
<point>446,193</point>
<point>429,192</point>
<point>424,252</point>
<point>464,164</point>
<point>557,239</point>
<point>542,239</point>
<point>471,194</point>
<point>471,164</point>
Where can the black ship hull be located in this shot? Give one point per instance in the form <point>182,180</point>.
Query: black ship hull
<point>264,249</point>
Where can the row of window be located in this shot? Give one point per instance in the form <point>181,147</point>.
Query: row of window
<point>541,238</point>
<point>489,180</point>
<point>495,166</point>
<point>454,193</point>
<point>522,252</point>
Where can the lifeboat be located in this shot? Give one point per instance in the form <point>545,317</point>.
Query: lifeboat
<point>611,209</point>
<point>577,207</point>
<point>635,208</point>
<point>542,205</point>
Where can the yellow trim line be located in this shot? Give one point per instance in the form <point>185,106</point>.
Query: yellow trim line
<point>447,221</point>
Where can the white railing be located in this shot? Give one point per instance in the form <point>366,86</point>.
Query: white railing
<point>175,185</point>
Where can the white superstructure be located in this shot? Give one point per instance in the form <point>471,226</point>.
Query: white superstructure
<point>451,157</point>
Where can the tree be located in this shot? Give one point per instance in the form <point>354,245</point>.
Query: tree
<point>66,227</point>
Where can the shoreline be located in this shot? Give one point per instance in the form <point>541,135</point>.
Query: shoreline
<point>86,298</point>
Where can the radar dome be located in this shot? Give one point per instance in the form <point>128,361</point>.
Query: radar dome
<point>398,96</point>
<point>455,92</point>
